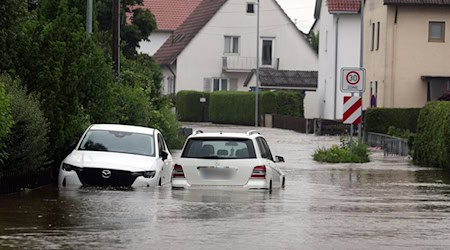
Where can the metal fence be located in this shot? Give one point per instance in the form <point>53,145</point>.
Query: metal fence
<point>331,127</point>
<point>391,145</point>
<point>15,182</point>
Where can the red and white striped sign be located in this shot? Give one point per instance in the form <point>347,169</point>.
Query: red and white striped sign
<point>352,110</point>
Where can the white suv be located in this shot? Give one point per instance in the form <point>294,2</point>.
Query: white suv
<point>228,159</point>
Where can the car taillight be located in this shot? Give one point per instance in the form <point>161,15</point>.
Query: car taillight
<point>259,172</point>
<point>177,171</point>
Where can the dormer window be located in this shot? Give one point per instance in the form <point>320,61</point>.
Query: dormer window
<point>251,8</point>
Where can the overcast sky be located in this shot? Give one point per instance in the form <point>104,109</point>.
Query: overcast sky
<point>300,11</point>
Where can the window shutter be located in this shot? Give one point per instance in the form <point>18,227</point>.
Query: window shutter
<point>207,84</point>
<point>233,84</point>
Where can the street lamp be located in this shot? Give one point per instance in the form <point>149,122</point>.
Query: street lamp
<point>257,68</point>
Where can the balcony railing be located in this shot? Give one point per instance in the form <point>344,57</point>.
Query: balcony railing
<point>243,64</point>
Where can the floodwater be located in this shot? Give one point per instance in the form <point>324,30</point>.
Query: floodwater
<point>385,204</point>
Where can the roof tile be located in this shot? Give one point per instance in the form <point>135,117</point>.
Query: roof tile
<point>187,31</point>
<point>417,2</point>
<point>169,14</point>
<point>343,6</point>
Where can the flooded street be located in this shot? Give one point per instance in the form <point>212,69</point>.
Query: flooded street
<point>385,204</point>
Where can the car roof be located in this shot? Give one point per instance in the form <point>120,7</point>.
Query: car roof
<point>249,135</point>
<point>123,128</point>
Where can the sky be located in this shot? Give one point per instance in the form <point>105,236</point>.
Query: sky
<point>300,11</point>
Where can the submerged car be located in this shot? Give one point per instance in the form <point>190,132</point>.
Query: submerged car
<point>228,159</point>
<point>117,155</point>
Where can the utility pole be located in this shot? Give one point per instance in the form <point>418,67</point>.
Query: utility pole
<point>116,37</point>
<point>257,69</point>
<point>361,61</point>
<point>89,18</point>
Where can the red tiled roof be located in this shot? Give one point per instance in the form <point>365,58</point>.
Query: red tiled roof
<point>417,2</point>
<point>169,14</point>
<point>343,6</point>
<point>187,31</point>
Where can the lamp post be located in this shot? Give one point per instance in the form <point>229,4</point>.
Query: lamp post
<point>257,69</point>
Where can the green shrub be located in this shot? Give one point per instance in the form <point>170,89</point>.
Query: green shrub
<point>289,103</point>
<point>432,141</point>
<point>28,141</point>
<point>188,105</point>
<point>6,120</point>
<point>379,120</point>
<point>234,107</point>
<point>341,154</point>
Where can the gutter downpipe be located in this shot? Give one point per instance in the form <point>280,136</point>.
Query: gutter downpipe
<point>174,79</point>
<point>336,65</point>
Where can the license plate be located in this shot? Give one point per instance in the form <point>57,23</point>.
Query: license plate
<point>216,173</point>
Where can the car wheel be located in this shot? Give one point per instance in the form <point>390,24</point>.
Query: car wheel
<point>283,182</point>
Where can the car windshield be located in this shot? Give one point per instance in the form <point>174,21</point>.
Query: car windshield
<point>119,142</point>
<point>219,148</point>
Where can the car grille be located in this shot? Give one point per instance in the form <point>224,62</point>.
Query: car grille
<point>99,177</point>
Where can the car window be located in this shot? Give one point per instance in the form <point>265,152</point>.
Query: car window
<point>264,148</point>
<point>119,142</point>
<point>219,148</point>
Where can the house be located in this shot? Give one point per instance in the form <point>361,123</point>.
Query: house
<point>215,48</point>
<point>169,14</point>
<point>339,24</point>
<point>407,46</point>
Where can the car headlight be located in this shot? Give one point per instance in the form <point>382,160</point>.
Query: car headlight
<point>145,174</point>
<point>68,167</point>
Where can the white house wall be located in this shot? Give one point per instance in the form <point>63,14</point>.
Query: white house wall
<point>202,58</point>
<point>157,39</point>
<point>330,97</point>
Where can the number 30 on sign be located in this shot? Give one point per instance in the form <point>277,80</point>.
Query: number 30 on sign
<point>353,79</point>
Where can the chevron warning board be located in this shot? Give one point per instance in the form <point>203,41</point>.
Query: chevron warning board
<point>352,110</point>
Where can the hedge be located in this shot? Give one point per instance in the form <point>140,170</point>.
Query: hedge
<point>234,107</point>
<point>379,120</point>
<point>188,105</point>
<point>432,143</point>
<point>289,103</point>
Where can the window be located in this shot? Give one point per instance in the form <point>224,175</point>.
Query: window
<point>436,32</point>
<point>220,84</point>
<point>372,44</point>
<point>378,35</point>
<point>267,51</point>
<point>231,44</point>
<point>251,8</point>
<point>219,148</point>
<point>264,148</point>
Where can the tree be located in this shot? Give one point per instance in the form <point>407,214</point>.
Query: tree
<point>141,24</point>
<point>313,39</point>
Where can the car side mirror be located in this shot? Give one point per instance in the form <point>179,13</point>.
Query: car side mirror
<point>164,155</point>
<point>279,158</point>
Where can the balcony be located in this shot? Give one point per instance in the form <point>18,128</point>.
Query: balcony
<point>243,64</point>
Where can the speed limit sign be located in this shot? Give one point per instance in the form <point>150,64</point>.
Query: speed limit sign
<point>353,79</point>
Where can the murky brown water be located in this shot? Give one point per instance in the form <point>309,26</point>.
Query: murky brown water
<point>385,204</point>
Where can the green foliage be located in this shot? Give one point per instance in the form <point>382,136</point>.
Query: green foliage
<point>234,107</point>
<point>141,26</point>
<point>314,41</point>
<point>379,120</point>
<point>27,144</point>
<point>6,120</point>
<point>341,154</point>
<point>432,141</point>
<point>396,132</point>
<point>13,14</point>
<point>289,103</point>
<point>188,105</point>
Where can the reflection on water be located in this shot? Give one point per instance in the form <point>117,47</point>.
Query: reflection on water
<point>322,207</point>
